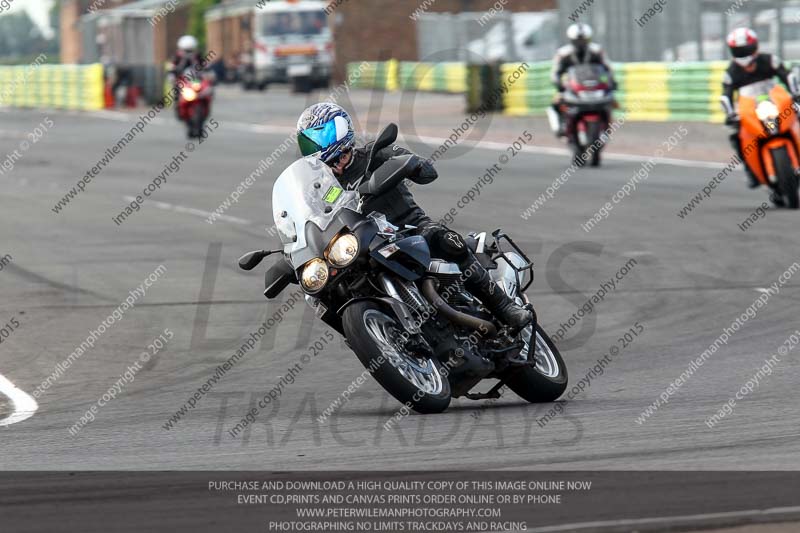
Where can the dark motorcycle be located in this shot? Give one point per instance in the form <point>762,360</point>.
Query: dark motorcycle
<point>406,316</point>
<point>587,105</point>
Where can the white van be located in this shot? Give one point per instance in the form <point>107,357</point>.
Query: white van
<point>292,43</point>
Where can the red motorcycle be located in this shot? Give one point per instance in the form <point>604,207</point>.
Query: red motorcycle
<point>587,106</point>
<point>194,102</point>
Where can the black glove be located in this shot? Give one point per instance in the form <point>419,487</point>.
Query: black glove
<point>419,165</point>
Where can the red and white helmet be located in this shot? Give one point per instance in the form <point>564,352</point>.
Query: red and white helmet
<point>743,43</point>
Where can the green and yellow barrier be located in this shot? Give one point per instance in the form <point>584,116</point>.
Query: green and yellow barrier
<point>434,77</point>
<point>647,91</point>
<point>656,92</point>
<point>374,75</point>
<point>531,93</point>
<point>52,86</point>
<point>394,75</point>
<point>671,92</point>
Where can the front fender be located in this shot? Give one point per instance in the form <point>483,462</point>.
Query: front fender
<point>400,310</point>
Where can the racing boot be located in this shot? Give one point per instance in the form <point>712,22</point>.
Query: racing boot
<point>480,283</point>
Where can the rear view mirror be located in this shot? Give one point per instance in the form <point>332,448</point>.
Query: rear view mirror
<point>385,138</point>
<point>250,260</point>
<point>389,175</point>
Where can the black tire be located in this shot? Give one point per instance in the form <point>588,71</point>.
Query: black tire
<point>532,385</point>
<point>196,123</point>
<point>593,134</point>
<point>787,178</point>
<point>263,86</point>
<point>577,155</point>
<point>596,159</point>
<point>302,85</point>
<point>369,353</point>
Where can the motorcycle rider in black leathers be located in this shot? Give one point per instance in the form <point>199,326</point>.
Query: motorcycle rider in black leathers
<point>349,164</point>
<point>186,58</point>
<point>748,66</point>
<point>580,51</point>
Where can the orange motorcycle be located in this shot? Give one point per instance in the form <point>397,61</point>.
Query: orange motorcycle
<point>769,137</point>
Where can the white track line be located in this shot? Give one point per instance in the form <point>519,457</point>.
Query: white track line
<point>24,404</point>
<point>192,211</point>
<point>502,147</point>
<point>486,145</point>
<point>671,520</point>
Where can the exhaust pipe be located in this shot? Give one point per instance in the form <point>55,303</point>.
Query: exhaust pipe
<point>456,317</point>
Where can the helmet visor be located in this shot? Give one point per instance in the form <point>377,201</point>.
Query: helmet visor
<point>317,139</point>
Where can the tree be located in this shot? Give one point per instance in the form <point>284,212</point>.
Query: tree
<point>197,22</point>
<point>19,35</point>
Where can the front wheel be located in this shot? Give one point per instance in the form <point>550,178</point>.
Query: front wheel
<point>374,334</point>
<point>547,379</point>
<point>195,122</point>
<point>594,132</point>
<point>787,178</point>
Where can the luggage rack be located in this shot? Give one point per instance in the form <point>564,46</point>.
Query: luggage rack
<point>499,236</point>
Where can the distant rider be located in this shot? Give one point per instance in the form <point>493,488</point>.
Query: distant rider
<point>186,57</point>
<point>747,67</point>
<point>326,129</point>
<point>580,51</point>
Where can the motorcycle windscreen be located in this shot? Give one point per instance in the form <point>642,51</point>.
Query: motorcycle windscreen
<point>306,192</point>
<point>758,90</point>
<point>589,76</point>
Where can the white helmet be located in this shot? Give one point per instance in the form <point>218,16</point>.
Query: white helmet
<point>187,43</point>
<point>579,30</point>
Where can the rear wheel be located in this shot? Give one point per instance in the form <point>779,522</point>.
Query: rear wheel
<point>374,334</point>
<point>545,381</point>
<point>787,178</point>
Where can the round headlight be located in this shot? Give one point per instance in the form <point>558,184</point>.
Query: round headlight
<point>188,94</point>
<point>766,110</point>
<point>315,275</point>
<point>343,250</point>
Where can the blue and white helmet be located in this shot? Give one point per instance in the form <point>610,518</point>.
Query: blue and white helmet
<point>325,130</point>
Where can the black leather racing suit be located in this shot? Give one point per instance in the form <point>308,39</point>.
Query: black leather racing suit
<point>181,62</point>
<point>767,66</point>
<point>569,56</point>
<point>179,65</point>
<point>400,209</point>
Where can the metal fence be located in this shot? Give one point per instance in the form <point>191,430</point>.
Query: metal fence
<point>125,44</point>
<point>688,30</point>
<point>475,37</point>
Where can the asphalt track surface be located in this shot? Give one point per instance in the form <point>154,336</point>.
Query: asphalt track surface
<point>692,278</point>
